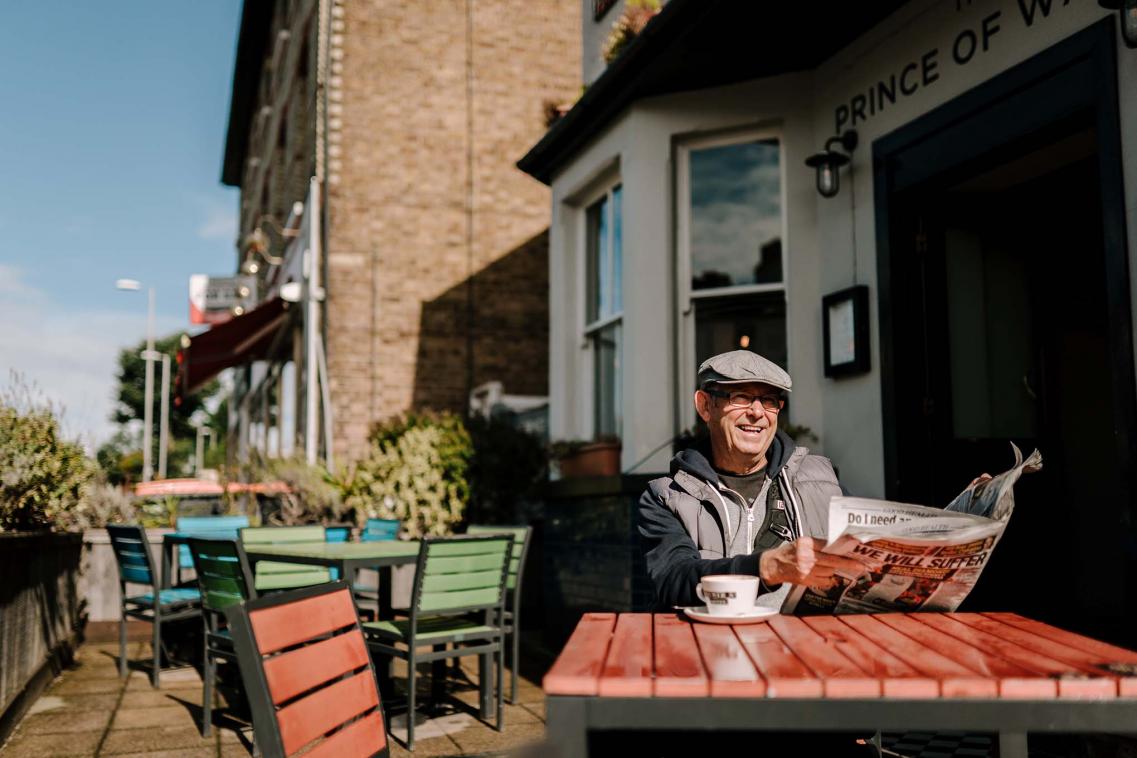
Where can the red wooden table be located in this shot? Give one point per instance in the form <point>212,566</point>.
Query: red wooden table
<point>989,672</point>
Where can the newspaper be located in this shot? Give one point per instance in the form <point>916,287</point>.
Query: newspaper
<point>916,558</point>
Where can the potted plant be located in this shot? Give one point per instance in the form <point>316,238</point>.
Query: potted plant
<point>577,458</point>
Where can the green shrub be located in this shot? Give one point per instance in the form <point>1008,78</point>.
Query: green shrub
<point>102,503</point>
<point>42,476</point>
<point>416,472</point>
<point>314,499</point>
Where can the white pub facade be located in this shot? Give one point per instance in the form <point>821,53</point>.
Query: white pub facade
<point>967,283</point>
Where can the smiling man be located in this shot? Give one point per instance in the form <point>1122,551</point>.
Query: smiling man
<point>750,502</point>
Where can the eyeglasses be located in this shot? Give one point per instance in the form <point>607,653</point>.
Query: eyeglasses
<point>746,400</point>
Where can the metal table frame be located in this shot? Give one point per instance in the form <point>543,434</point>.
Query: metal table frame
<point>571,718</point>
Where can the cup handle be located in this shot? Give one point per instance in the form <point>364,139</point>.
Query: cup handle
<point>699,593</point>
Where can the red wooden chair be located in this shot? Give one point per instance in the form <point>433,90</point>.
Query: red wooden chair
<point>308,677</point>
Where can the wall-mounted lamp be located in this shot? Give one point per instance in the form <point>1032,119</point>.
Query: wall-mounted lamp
<point>257,243</point>
<point>829,162</point>
<point>1128,10</point>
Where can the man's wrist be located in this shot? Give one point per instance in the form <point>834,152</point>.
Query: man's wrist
<point>765,571</point>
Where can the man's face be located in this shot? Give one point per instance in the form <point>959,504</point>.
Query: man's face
<point>740,434</point>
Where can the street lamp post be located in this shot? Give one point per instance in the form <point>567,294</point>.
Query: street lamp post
<point>150,355</point>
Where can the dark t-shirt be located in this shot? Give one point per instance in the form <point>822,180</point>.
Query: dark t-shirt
<point>748,486</point>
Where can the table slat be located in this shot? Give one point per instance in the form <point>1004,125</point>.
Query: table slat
<point>1013,680</point>
<point>897,678</point>
<point>1077,684</point>
<point>955,679</point>
<point>731,671</point>
<point>628,668</point>
<point>840,677</point>
<point>785,675</point>
<point>577,670</point>
<point>679,670</point>
<point>1072,643</point>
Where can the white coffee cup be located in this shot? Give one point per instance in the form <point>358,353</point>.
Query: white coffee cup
<point>728,594</point>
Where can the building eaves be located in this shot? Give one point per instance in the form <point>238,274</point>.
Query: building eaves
<point>256,21</point>
<point>697,44</point>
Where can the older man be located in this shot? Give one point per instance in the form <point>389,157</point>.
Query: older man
<point>752,503</point>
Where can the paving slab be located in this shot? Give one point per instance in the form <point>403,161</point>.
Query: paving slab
<point>180,737</point>
<point>24,745</point>
<point>66,722</point>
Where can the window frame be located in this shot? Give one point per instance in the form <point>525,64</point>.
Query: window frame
<point>686,297</point>
<point>589,330</point>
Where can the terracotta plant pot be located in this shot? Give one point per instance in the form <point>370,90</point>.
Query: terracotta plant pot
<point>594,459</point>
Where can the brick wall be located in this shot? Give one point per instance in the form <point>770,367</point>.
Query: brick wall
<point>436,258</point>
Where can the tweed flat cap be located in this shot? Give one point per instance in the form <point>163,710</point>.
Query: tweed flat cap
<point>739,366</point>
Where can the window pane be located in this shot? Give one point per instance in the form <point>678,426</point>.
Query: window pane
<point>617,296</point>
<point>748,322</point>
<point>608,403</point>
<point>736,215</point>
<point>599,265</point>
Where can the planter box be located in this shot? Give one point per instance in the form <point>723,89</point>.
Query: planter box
<point>594,459</point>
<point>39,615</point>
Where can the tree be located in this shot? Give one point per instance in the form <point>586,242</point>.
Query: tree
<point>121,456</point>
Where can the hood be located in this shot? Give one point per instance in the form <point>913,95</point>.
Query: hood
<point>696,460</point>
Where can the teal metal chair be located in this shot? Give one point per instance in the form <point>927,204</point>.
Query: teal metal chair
<point>375,530</point>
<point>512,621</point>
<point>337,533</point>
<point>380,530</point>
<point>279,575</point>
<point>209,527</point>
<point>454,577</point>
<point>158,605</point>
<point>224,579</point>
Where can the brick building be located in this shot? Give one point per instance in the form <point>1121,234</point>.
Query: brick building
<point>405,117</point>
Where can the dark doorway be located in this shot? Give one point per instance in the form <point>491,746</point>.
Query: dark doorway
<point>1007,319</point>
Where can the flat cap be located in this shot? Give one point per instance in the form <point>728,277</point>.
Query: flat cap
<point>739,366</point>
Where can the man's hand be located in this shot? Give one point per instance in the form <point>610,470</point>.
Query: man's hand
<point>803,562</point>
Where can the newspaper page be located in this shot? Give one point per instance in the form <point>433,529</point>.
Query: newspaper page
<point>916,558</point>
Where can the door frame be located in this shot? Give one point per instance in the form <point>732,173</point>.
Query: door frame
<point>1076,75</point>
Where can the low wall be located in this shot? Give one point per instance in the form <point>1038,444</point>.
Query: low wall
<point>99,581</point>
<point>39,615</point>
<point>591,557</point>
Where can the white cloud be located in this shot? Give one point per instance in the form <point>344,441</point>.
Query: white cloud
<point>220,223</point>
<point>70,356</point>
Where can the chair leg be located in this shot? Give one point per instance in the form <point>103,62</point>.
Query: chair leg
<point>157,644</point>
<point>208,673</point>
<point>122,643</point>
<point>411,698</point>
<point>500,680</point>
<point>515,639</point>
<point>485,691</point>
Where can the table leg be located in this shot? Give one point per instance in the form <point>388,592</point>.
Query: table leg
<point>567,726</point>
<point>383,611</point>
<point>167,549</point>
<point>438,672</point>
<point>1012,745</point>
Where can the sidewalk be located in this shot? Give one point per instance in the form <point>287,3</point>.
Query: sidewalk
<point>89,711</point>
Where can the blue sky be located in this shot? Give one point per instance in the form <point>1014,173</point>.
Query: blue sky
<point>112,131</point>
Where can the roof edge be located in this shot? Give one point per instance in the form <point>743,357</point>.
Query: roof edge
<point>256,18</point>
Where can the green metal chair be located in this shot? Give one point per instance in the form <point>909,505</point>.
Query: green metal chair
<point>224,579</point>
<point>136,566</point>
<point>454,577</point>
<point>279,575</point>
<point>310,683</point>
<point>512,621</point>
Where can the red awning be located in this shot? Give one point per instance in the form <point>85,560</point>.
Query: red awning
<point>241,339</point>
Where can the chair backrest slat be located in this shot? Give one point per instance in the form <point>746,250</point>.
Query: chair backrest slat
<point>461,573</point>
<point>297,671</point>
<point>521,536</point>
<point>132,551</point>
<point>308,675</point>
<point>223,574</point>
<point>324,710</point>
<point>380,530</point>
<point>217,527</point>
<point>271,575</point>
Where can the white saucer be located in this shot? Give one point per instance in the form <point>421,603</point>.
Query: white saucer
<point>699,613</point>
